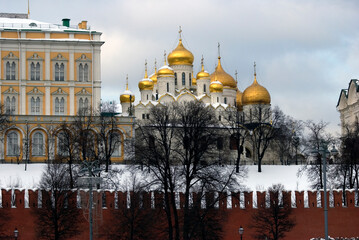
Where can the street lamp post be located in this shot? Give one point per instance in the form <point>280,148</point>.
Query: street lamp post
<point>241,230</point>
<point>16,233</point>
<point>323,150</point>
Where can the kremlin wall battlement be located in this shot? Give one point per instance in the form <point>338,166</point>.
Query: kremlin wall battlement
<point>20,205</point>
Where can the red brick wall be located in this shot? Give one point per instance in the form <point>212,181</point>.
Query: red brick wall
<point>343,221</point>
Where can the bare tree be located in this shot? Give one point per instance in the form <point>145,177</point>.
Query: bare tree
<point>274,222</point>
<point>178,143</point>
<point>59,217</point>
<point>237,131</point>
<point>316,136</point>
<point>264,126</point>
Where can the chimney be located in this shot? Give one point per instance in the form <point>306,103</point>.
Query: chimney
<point>83,24</point>
<point>66,22</point>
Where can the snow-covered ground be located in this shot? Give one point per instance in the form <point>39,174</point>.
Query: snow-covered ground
<point>15,176</point>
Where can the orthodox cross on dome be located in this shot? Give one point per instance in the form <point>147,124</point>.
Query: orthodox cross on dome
<point>255,71</point>
<point>164,55</point>
<point>219,51</point>
<point>126,81</point>
<point>180,32</point>
<point>236,74</point>
<point>146,76</point>
<point>155,64</point>
<point>28,8</point>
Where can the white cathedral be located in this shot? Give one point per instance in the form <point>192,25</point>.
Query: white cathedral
<point>175,81</point>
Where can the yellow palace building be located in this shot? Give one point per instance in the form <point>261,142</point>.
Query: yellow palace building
<point>48,72</point>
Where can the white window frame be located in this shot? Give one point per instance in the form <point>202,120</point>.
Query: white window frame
<point>35,102</point>
<point>36,61</point>
<point>83,61</point>
<point>57,62</point>
<point>15,151</point>
<point>11,59</point>
<point>38,145</point>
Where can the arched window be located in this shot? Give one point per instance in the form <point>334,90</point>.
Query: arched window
<point>13,105</point>
<point>116,140</point>
<point>13,69</point>
<point>81,104</point>
<point>220,143</point>
<point>190,79</point>
<point>248,153</point>
<point>59,72</point>
<point>10,70</point>
<point>204,88</point>
<point>35,105</point>
<point>86,73</point>
<point>225,100</point>
<point>168,87</point>
<point>86,103</point>
<point>218,99</point>
<point>13,144</point>
<point>35,71</point>
<point>59,106</point>
<point>38,144</point>
<point>81,72</point>
<point>7,105</point>
<point>183,79</point>
<point>175,79</point>
<point>62,144</point>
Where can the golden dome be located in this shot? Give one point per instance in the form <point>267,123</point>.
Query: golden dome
<point>180,56</point>
<point>165,71</point>
<point>239,100</point>
<point>127,96</point>
<point>255,94</point>
<point>153,77</point>
<point>220,75</point>
<point>216,86</point>
<point>202,73</point>
<point>194,82</point>
<point>146,83</point>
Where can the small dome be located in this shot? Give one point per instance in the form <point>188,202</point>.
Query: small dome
<point>202,74</point>
<point>239,100</point>
<point>127,97</point>
<point>216,86</point>
<point>146,83</point>
<point>194,82</point>
<point>220,75</point>
<point>180,56</point>
<point>165,71</point>
<point>255,94</point>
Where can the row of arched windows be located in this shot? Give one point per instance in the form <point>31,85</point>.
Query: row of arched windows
<point>37,144</point>
<point>184,79</point>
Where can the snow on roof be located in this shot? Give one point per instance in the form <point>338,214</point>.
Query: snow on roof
<point>31,24</point>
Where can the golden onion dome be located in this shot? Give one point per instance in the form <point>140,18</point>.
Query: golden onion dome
<point>220,75</point>
<point>239,100</point>
<point>153,77</point>
<point>202,74</point>
<point>165,71</point>
<point>194,82</point>
<point>180,55</point>
<point>146,83</point>
<point>127,96</point>
<point>216,86</point>
<point>255,94</point>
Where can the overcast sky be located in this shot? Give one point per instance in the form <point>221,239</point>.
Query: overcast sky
<point>306,51</point>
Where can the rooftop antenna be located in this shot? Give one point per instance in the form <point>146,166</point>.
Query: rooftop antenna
<point>28,8</point>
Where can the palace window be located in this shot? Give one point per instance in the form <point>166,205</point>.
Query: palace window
<point>38,144</point>
<point>183,79</point>
<point>83,104</point>
<point>35,105</point>
<point>59,106</point>
<point>10,70</point>
<point>59,72</point>
<point>10,105</point>
<point>83,72</point>
<point>13,144</point>
<point>117,145</point>
<point>35,71</point>
<point>62,143</point>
